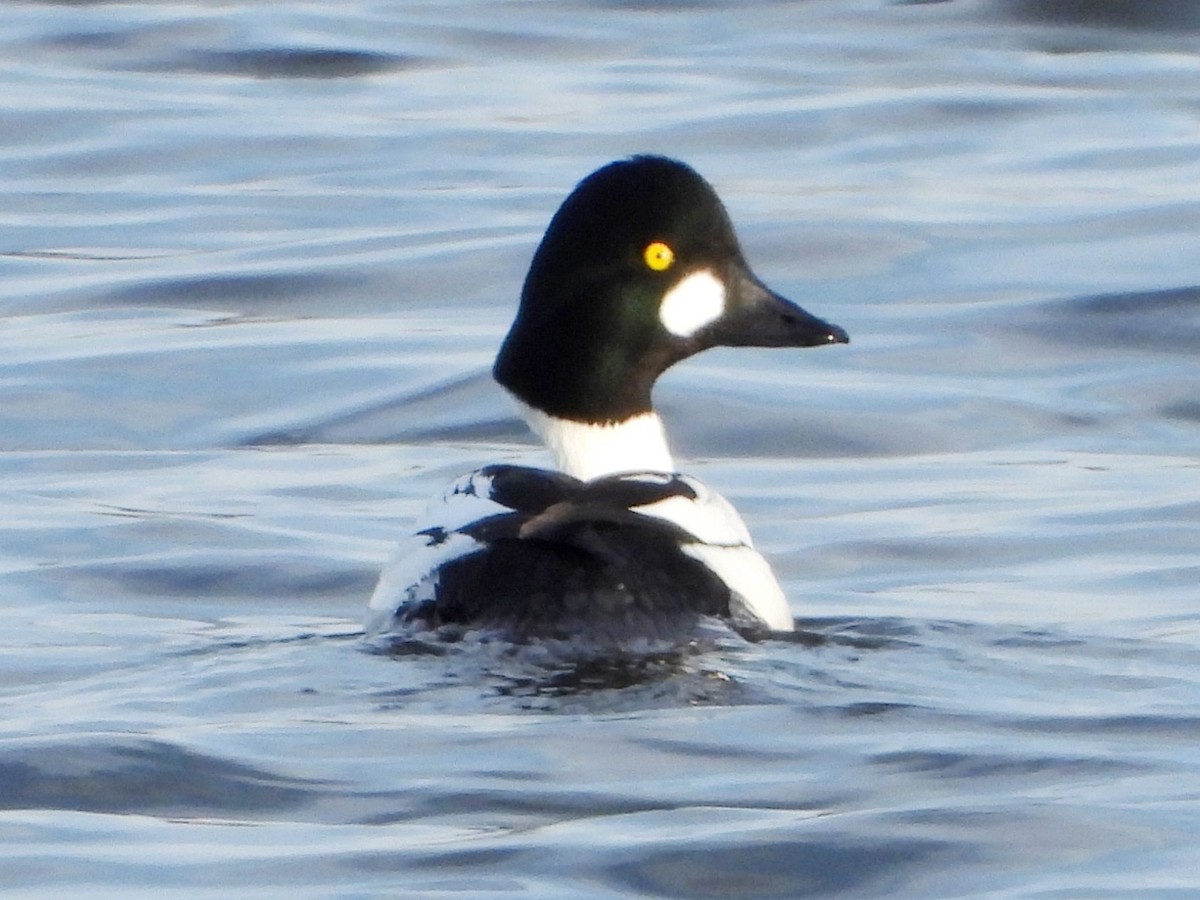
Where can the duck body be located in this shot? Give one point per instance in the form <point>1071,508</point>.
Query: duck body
<point>620,559</point>
<point>638,269</point>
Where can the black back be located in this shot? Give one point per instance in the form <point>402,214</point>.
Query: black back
<point>573,560</point>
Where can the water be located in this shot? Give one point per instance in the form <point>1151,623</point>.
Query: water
<point>256,261</point>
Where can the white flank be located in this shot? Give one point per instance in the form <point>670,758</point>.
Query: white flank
<point>698,300</point>
<point>710,518</point>
<point>588,450</point>
<point>723,545</point>
<point>749,576</point>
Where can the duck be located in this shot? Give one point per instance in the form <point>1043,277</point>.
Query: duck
<point>639,269</point>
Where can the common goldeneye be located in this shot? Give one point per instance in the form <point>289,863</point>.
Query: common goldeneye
<point>639,269</point>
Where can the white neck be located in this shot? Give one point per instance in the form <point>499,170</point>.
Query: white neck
<point>586,450</point>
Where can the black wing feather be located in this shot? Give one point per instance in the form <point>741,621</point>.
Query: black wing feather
<point>574,558</point>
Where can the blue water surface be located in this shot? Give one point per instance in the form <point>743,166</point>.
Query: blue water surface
<point>255,260</point>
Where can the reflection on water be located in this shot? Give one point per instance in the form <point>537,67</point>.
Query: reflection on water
<point>256,266</point>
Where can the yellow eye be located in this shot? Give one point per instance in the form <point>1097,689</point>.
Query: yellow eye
<point>658,256</point>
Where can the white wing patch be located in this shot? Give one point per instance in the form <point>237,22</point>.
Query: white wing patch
<point>410,576</point>
<point>468,500</point>
<point>412,573</point>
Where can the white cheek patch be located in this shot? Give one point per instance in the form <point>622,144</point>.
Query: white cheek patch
<point>698,300</point>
